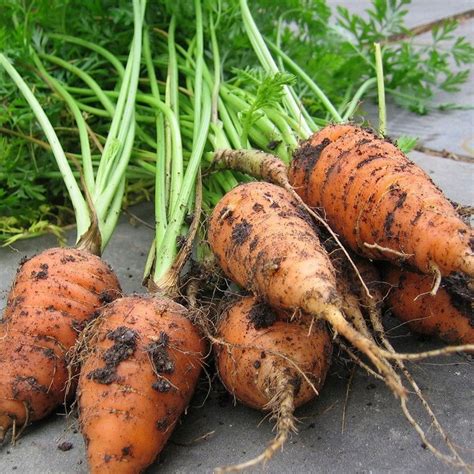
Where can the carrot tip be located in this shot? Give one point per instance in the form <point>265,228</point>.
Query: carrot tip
<point>5,425</point>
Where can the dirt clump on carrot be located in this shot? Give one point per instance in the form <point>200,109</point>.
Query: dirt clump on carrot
<point>381,203</point>
<point>274,367</point>
<point>448,315</point>
<point>141,360</point>
<point>53,296</point>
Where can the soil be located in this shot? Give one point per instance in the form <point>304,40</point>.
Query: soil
<point>307,156</point>
<point>261,316</point>
<point>241,232</point>
<point>125,343</point>
<point>158,351</point>
<point>461,296</point>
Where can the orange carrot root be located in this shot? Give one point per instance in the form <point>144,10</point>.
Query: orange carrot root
<point>54,295</point>
<point>139,376</point>
<point>266,243</point>
<point>271,362</point>
<point>447,315</point>
<point>381,203</point>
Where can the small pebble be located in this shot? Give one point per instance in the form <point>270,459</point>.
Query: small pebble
<point>65,446</point>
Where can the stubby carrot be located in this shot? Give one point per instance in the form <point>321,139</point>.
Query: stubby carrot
<point>54,295</point>
<point>447,315</point>
<point>136,380</point>
<point>271,361</point>
<point>265,242</point>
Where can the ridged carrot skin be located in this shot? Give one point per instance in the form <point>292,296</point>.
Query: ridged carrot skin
<point>371,193</point>
<point>256,337</point>
<point>53,296</point>
<point>447,315</point>
<point>143,366</point>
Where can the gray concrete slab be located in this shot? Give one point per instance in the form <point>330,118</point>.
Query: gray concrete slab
<point>456,178</point>
<point>376,437</point>
<point>420,11</point>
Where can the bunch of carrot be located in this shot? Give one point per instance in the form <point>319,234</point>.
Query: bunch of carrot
<point>377,201</point>
<point>141,356</point>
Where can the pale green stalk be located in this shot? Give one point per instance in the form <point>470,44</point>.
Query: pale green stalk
<point>94,47</point>
<point>357,96</point>
<point>87,168</point>
<point>160,176</point>
<point>380,90</point>
<point>311,84</point>
<point>125,117</point>
<point>217,72</point>
<point>79,204</point>
<point>199,69</point>
<point>112,145</point>
<point>232,133</point>
<point>174,163</point>
<point>113,213</point>
<point>268,63</point>
<point>104,100</point>
<point>166,252</point>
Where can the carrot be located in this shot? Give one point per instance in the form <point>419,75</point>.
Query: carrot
<point>137,379</point>
<point>54,295</point>
<point>271,362</point>
<point>447,315</point>
<point>358,302</point>
<point>142,360</point>
<point>383,205</point>
<point>267,244</point>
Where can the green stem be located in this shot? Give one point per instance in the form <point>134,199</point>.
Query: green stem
<point>380,90</point>
<point>263,123</point>
<point>94,47</point>
<point>357,96</point>
<point>174,161</point>
<point>311,84</point>
<point>122,131</point>
<point>80,122</point>
<point>268,63</point>
<point>113,214</point>
<point>160,177</point>
<point>104,100</point>
<point>234,137</point>
<point>81,209</point>
<point>198,77</point>
<point>217,72</point>
<point>166,252</point>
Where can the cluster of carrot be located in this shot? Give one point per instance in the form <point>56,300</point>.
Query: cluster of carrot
<point>136,360</point>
